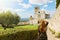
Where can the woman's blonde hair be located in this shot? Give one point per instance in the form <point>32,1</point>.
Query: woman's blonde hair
<point>42,23</point>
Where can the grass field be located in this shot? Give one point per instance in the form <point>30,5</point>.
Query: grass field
<point>27,32</point>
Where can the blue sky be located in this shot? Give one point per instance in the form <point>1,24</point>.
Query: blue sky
<point>25,8</point>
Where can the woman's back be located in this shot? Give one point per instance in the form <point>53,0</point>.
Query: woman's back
<point>42,28</point>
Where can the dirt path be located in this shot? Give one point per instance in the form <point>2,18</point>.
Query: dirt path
<point>51,36</point>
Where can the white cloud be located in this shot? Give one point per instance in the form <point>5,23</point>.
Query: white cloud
<point>19,0</point>
<point>34,1</point>
<point>43,9</point>
<point>40,1</point>
<point>25,5</point>
<point>7,4</point>
<point>26,15</point>
<point>11,0</point>
<point>50,1</point>
<point>19,10</point>
<point>45,6</point>
<point>3,4</point>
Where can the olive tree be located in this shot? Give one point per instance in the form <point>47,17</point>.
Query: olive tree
<point>7,19</point>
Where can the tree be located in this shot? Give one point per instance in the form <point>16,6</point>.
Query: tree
<point>57,3</point>
<point>7,19</point>
<point>16,19</point>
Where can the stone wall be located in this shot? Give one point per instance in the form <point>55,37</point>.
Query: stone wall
<point>54,22</point>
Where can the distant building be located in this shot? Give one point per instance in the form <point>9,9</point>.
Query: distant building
<point>31,20</point>
<point>39,14</point>
<point>47,16</point>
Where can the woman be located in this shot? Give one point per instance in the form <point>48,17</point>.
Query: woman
<point>42,28</point>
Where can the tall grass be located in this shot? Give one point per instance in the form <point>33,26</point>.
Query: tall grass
<point>28,32</point>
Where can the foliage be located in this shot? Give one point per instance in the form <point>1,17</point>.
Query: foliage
<point>16,19</point>
<point>53,31</point>
<point>57,3</point>
<point>8,19</point>
<point>57,34</point>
